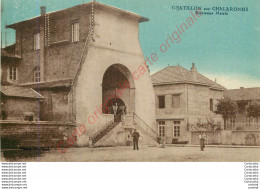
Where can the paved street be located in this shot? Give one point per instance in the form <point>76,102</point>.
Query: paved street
<point>170,153</point>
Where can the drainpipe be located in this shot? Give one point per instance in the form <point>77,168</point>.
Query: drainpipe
<point>187,106</point>
<point>42,44</point>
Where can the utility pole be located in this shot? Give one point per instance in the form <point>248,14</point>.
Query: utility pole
<point>1,39</point>
<point>5,36</point>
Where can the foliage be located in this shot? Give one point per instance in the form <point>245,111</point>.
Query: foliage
<point>227,108</point>
<point>253,109</point>
<point>210,125</point>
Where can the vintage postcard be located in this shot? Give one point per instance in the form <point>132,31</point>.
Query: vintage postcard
<point>131,81</point>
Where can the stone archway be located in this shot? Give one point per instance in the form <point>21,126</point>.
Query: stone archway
<point>118,89</point>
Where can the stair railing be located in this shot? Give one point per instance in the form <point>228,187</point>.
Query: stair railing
<point>108,124</point>
<point>145,127</point>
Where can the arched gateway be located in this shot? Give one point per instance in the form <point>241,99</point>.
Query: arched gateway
<point>106,87</point>
<point>118,89</point>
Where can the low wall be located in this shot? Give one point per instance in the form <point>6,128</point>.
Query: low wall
<point>34,134</point>
<point>248,138</point>
<point>226,137</point>
<point>213,137</point>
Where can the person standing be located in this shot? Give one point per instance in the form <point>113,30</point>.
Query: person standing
<point>135,136</point>
<point>202,138</point>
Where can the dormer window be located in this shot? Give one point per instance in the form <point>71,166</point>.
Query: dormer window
<point>36,41</point>
<point>75,32</point>
<point>36,75</point>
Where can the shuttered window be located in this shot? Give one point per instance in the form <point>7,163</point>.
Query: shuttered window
<point>36,75</point>
<point>75,32</point>
<point>161,100</point>
<point>176,100</point>
<point>12,73</point>
<point>211,104</point>
<point>36,41</point>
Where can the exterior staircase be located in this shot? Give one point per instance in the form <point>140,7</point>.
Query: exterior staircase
<point>106,129</point>
<point>146,128</point>
<point>140,125</point>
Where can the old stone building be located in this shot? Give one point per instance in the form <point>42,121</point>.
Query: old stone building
<point>83,61</point>
<point>17,103</point>
<point>184,98</point>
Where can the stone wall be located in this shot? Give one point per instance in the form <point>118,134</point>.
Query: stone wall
<point>248,138</point>
<point>16,107</point>
<point>56,104</point>
<point>213,137</point>
<point>33,134</point>
<point>61,58</point>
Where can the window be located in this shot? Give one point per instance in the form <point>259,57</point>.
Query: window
<point>176,100</point>
<point>161,128</point>
<point>28,118</point>
<point>211,104</point>
<point>177,129</point>
<point>36,75</point>
<point>161,101</point>
<point>36,41</point>
<point>75,32</point>
<point>250,121</point>
<point>13,73</point>
<point>231,121</point>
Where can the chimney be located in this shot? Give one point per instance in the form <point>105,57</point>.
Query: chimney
<point>194,71</point>
<point>43,10</point>
<point>215,80</point>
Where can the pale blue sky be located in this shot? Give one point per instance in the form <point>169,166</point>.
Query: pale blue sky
<point>226,47</point>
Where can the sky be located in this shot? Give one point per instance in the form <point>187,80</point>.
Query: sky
<point>225,47</point>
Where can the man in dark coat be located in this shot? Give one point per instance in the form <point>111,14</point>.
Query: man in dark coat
<point>135,136</point>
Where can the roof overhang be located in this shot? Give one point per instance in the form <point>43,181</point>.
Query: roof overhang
<point>188,82</point>
<point>50,84</point>
<point>97,4</point>
<point>14,93</point>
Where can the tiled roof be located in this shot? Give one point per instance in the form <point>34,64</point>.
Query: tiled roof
<point>49,84</point>
<point>178,74</point>
<point>243,94</point>
<point>15,91</point>
<point>96,4</point>
<point>9,55</point>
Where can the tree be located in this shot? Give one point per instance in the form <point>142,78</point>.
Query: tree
<point>209,125</point>
<point>253,109</point>
<point>227,108</point>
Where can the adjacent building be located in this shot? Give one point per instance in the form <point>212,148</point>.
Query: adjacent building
<point>184,98</point>
<point>243,97</point>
